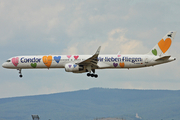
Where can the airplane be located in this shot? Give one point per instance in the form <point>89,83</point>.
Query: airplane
<point>89,63</point>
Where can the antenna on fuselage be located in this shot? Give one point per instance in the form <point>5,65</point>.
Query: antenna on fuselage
<point>119,52</point>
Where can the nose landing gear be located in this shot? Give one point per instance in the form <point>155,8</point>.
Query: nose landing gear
<point>20,73</point>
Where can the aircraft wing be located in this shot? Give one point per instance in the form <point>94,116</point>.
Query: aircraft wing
<point>92,60</point>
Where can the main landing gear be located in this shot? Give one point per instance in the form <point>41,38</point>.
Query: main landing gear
<point>20,73</point>
<point>92,75</point>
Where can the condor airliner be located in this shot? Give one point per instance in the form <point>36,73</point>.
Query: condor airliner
<point>88,63</point>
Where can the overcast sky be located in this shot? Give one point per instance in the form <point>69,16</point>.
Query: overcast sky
<point>45,27</point>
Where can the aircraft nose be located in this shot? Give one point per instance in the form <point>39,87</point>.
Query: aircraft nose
<point>3,65</point>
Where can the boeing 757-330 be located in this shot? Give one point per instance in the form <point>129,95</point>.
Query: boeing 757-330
<point>89,63</point>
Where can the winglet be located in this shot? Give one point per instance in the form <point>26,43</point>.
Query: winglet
<point>98,51</point>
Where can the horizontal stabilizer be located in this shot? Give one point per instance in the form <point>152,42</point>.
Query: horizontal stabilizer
<point>163,58</point>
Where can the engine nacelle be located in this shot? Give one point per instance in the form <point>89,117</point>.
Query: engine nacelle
<point>70,67</point>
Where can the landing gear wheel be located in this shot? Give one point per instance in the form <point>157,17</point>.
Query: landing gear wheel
<point>95,75</point>
<point>20,73</point>
<point>92,75</point>
<point>88,74</point>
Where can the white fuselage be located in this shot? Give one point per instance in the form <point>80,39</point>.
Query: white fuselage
<point>104,61</point>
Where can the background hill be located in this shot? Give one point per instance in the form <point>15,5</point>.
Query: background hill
<point>95,103</point>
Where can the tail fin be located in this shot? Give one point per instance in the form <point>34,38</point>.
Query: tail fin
<point>163,45</point>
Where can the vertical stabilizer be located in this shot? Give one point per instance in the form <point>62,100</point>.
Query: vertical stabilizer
<point>163,45</point>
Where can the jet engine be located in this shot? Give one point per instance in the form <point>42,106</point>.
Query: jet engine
<point>70,67</point>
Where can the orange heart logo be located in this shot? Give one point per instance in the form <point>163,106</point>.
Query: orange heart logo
<point>47,60</point>
<point>164,45</point>
<point>121,65</point>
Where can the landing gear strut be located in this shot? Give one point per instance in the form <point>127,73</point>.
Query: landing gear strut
<point>92,75</point>
<point>20,73</point>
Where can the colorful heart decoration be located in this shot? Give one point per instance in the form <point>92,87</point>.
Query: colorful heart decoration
<point>70,66</point>
<point>154,52</point>
<point>57,59</point>
<point>47,60</point>
<point>164,45</point>
<point>76,57</point>
<point>119,55</point>
<point>121,65</point>
<point>115,64</point>
<point>69,56</point>
<point>15,61</point>
<point>33,65</point>
<point>74,65</point>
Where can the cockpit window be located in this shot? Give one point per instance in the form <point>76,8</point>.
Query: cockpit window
<point>8,61</point>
